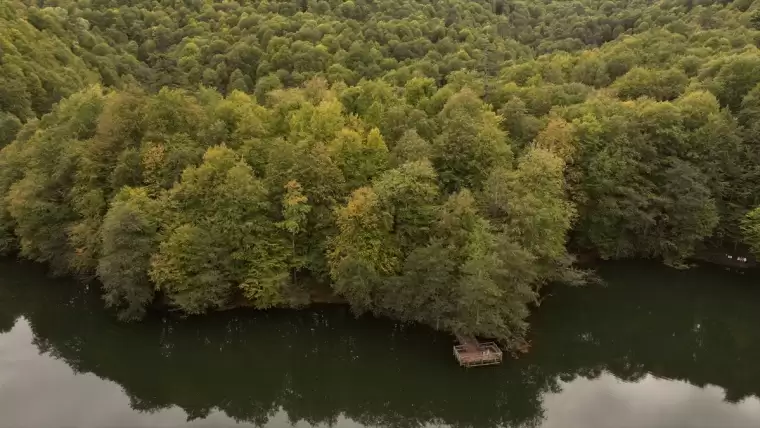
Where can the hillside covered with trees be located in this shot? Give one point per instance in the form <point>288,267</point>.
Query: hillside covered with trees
<point>435,162</point>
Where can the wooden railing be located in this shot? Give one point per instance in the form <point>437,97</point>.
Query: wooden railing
<point>480,354</point>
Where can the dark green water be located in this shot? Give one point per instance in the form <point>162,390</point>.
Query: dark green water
<point>655,348</point>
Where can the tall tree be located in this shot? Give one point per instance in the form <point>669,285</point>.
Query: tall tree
<point>129,237</point>
<point>470,144</point>
<point>530,207</point>
<point>295,209</point>
<point>364,249</point>
<point>220,239</point>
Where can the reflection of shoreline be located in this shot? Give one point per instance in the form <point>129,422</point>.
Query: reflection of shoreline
<point>320,365</point>
<point>326,363</point>
<point>601,402</point>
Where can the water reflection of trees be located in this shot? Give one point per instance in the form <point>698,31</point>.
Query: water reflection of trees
<point>697,325</point>
<point>319,364</point>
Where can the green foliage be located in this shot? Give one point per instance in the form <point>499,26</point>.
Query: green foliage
<point>9,127</point>
<point>660,85</point>
<point>530,206</point>
<point>41,202</point>
<point>359,158</point>
<point>219,238</point>
<point>470,144</point>
<point>295,210</point>
<point>39,66</point>
<point>429,162</point>
<point>736,77</point>
<point>751,230</point>
<point>410,193</point>
<point>491,286</point>
<point>631,199</point>
<point>411,147</point>
<point>129,237</point>
<point>366,233</point>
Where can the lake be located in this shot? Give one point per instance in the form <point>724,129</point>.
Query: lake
<point>654,347</point>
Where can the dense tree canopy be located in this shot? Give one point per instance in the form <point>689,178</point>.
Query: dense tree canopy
<point>431,161</point>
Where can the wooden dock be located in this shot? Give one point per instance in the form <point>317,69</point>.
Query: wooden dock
<point>471,353</point>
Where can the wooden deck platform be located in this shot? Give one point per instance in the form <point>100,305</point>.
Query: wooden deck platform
<point>471,353</point>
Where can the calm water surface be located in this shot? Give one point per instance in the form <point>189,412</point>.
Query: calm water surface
<point>654,348</point>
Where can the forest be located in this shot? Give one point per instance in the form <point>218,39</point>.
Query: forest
<point>433,162</point>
